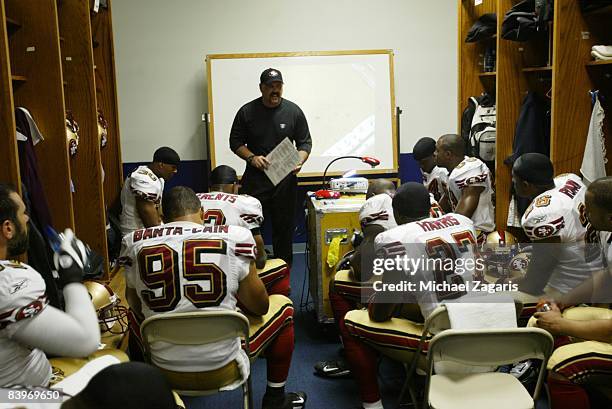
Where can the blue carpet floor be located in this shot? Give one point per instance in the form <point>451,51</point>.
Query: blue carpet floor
<point>313,342</point>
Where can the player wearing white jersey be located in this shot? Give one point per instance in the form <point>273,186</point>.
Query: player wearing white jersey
<point>186,266</point>
<point>469,184</point>
<point>574,368</point>
<point>451,237</point>
<point>143,189</point>
<point>29,327</point>
<point>223,206</point>
<point>435,178</point>
<point>566,251</point>
<point>351,286</point>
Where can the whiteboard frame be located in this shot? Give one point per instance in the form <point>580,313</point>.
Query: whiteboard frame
<point>395,142</point>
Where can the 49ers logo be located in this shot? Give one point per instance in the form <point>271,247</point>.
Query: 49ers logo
<point>29,310</point>
<point>518,264</point>
<point>542,201</point>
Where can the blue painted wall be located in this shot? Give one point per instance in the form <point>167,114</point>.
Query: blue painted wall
<point>194,174</point>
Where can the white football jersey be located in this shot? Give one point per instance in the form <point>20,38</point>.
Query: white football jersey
<point>234,210</point>
<point>144,184</point>
<point>22,296</point>
<point>560,212</point>
<point>430,239</point>
<point>378,210</point>
<point>435,210</point>
<point>185,266</point>
<point>473,172</point>
<point>436,182</point>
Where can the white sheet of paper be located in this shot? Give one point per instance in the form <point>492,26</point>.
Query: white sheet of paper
<point>283,159</point>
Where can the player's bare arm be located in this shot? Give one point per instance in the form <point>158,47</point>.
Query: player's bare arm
<point>148,213</point>
<point>260,262</point>
<point>468,203</point>
<point>252,293</point>
<point>589,330</point>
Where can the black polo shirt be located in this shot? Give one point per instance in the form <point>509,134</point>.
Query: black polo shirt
<point>261,128</point>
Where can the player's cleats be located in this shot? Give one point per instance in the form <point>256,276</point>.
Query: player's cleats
<point>291,400</point>
<point>332,369</point>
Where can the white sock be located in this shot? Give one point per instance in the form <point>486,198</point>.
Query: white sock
<point>374,405</point>
<point>276,384</point>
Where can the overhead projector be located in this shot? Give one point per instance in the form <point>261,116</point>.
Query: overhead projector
<point>349,185</point>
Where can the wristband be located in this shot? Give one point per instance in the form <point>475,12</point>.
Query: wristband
<point>250,158</point>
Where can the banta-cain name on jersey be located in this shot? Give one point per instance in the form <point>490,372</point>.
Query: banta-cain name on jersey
<point>153,232</point>
<point>444,287</point>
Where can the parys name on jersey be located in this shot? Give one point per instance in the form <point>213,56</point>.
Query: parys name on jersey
<point>153,232</point>
<point>434,286</point>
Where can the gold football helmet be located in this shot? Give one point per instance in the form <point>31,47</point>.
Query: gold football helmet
<point>112,316</point>
<point>497,252</point>
<point>518,265</point>
<point>102,129</point>
<point>72,133</point>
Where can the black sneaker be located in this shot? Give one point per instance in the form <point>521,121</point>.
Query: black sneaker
<point>332,369</point>
<point>291,400</point>
<point>527,373</point>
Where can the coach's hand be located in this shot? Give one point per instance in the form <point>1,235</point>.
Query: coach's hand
<point>260,162</point>
<point>551,321</point>
<point>70,259</point>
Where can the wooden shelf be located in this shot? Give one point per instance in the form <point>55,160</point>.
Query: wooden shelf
<point>487,74</point>
<point>538,69</point>
<point>600,11</point>
<point>597,63</point>
<point>18,79</point>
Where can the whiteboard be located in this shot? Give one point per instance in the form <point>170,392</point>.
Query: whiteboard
<point>347,97</point>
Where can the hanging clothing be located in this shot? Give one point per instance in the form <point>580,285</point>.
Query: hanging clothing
<point>594,159</point>
<point>532,134</point>
<point>28,167</point>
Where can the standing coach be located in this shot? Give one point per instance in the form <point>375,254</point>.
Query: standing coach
<point>258,127</point>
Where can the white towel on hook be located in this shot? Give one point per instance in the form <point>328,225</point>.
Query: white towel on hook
<point>594,159</point>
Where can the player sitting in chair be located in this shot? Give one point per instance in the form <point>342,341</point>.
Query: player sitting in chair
<point>222,205</point>
<point>29,327</point>
<point>185,266</point>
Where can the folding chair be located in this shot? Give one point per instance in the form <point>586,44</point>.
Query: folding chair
<point>484,347</point>
<point>198,328</point>
<point>436,322</point>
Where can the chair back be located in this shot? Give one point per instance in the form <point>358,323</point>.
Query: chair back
<point>194,328</point>
<point>491,347</point>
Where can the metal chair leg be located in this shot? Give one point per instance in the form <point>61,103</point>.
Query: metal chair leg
<point>247,395</point>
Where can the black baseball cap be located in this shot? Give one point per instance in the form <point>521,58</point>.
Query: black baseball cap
<point>166,155</point>
<point>270,75</point>
<point>423,148</point>
<point>534,168</point>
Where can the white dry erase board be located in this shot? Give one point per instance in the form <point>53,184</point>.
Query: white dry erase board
<point>348,98</point>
